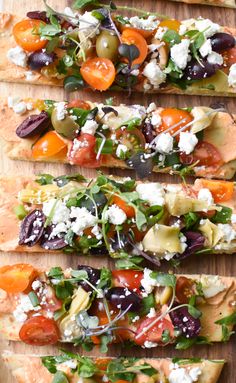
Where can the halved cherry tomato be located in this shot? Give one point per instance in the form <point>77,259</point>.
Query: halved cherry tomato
<point>171,117</point>
<point>102,363</point>
<point>17,278</point>
<point>154,334</point>
<point>52,303</point>
<point>133,139</point>
<point>78,104</point>
<point>206,154</point>
<point>184,289</point>
<point>98,72</point>
<point>230,57</point>
<point>129,210</point>
<point>138,235</point>
<point>146,33</point>
<point>127,278</point>
<point>39,331</point>
<point>131,36</point>
<point>26,35</point>
<point>222,191</point>
<point>82,152</point>
<point>49,145</point>
<point>170,24</point>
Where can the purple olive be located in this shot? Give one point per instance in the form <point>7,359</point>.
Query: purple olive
<point>197,71</point>
<point>38,16</point>
<point>39,59</point>
<point>195,242</point>
<point>55,243</point>
<point>32,125</point>
<point>148,132</point>
<point>122,298</point>
<point>189,326</point>
<point>32,227</point>
<point>222,41</point>
<point>93,277</point>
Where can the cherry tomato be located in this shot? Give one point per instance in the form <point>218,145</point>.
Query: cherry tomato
<point>133,139</point>
<point>39,331</point>
<point>129,210</point>
<point>138,235</point>
<point>78,104</point>
<point>221,191</point>
<point>184,289</point>
<point>206,154</point>
<point>26,35</point>
<point>154,334</point>
<point>17,278</point>
<point>127,278</point>
<point>131,36</point>
<point>170,24</point>
<point>98,72</point>
<point>230,57</point>
<point>49,145</point>
<point>171,117</point>
<point>83,153</point>
<point>52,303</point>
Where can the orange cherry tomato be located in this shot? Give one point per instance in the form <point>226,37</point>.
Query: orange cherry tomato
<point>26,35</point>
<point>39,331</point>
<point>131,36</point>
<point>83,153</point>
<point>184,289</point>
<point>78,104</point>
<point>49,145</point>
<point>221,191</point>
<point>98,72</point>
<point>171,117</point>
<point>17,278</point>
<point>154,334</point>
<point>170,24</point>
<point>129,210</point>
<point>127,278</point>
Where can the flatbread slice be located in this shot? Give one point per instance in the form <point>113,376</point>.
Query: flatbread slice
<point>25,368</point>
<point>201,143</point>
<point>218,3</point>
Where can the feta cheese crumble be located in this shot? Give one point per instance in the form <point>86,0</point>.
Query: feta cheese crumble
<point>156,119</point>
<point>148,344</point>
<point>83,219</point>
<point>179,53</point>
<point>232,76</point>
<point>152,192</point>
<point>148,283</point>
<point>115,215</point>
<point>164,143</point>
<point>148,24</point>
<point>187,142</point>
<point>205,195</point>
<point>154,74</point>
<point>206,48</point>
<point>207,27</point>
<point>182,375</point>
<point>88,24</point>
<point>90,127</point>
<point>61,111</point>
<point>228,232</point>
<point>61,213</point>
<point>24,306</point>
<point>215,58</point>
<point>17,56</point>
<point>20,108</point>
<point>211,285</point>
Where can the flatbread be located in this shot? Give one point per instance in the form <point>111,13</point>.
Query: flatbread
<point>218,3</point>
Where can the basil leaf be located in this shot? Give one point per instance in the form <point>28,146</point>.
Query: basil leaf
<point>228,320</point>
<point>60,377</point>
<point>171,37</point>
<point>73,83</point>
<point>223,216</point>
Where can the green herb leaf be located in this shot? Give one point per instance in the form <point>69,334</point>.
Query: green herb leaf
<point>55,273</point>
<point>226,333</point>
<point>140,219</point>
<point>107,147</point>
<point>105,340</point>
<point>50,362</point>
<point>50,30</point>
<point>171,37</point>
<point>132,123</point>
<point>191,220</point>
<point>73,83</point>
<point>129,263</point>
<point>222,216</point>
<point>165,336</point>
<point>228,320</point>
<point>105,278</point>
<point>164,279</point>
<point>194,312</point>
<point>87,367</point>
<point>147,303</point>
<point>78,4</point>
<point>44,179</point>
<point>33,298</point>
<point>63,180</point>
<point>52,44</point>
<point>60,377</point>
<point>186,360</point>
<point>184,343</point>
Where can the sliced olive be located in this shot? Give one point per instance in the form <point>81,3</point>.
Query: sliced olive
<point>66,127</point>
<point>107,45</point>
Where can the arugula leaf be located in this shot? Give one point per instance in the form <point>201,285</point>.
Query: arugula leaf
<point>44,179</point>
<point>191,220</point>
<point>63,180</point>
<point>228,320</point>
<point>129,263</point>
<point>171,37</point>
<point>226,333</point>
<point>140,219</point>
<point>223,216</point>
<point>78,4</point>
<point>55,273</point>
<point>60,377</point>
<point>164,279</point>
<point>184,343</point>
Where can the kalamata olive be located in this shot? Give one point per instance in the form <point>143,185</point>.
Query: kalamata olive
<point>93,277</point>
<point>98,251</point>
<point>122,298</point>
<point>32,227</point>
<point>120,242</point>
<point>38,15</point>
<point>197,71</point>
<point>186,323</point>
<point>67,127</point>
<point>39,59</point>
<point>148,132</point>
<point>55,243</point>
<point>195,242</point>
<point>32,125</point>
<point>222,41</point>
<point>107,45</point>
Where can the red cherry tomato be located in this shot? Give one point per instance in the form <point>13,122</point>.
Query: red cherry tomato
<point>129,210</point>
<point>206,154</point>
<point>154,334</point>
<point>52,303</point>
<point>184,289</point>
<point>127,278</point>
<point>39,331</point>
<point>26,35</point>
<point>83,153</point>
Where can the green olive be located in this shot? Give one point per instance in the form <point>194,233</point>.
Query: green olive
<point>107,45</point>
<point>66,127</point>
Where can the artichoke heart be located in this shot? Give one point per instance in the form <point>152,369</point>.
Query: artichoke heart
<point>38,193</point>
<point>180,204</point>
<point>80,301</point>
<point>212,232</point>
<point>161,238</point>
<point>203,118</point>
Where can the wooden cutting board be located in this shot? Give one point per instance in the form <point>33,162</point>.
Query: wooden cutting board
<point>225,264</point>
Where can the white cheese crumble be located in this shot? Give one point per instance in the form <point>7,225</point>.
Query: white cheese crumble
<point>149,23</point>
<point>121,150</point>
<point>20,108</point>
<point>29,75</point>
<point>152,313</point>
<point>151,107</point>
<point>61,111</point>
<point>61,213</point>
<point>23,308</point>
<point>211,285</point>
<point>154,74</point>
<point>156,119</point>
<point>179,53</point>
<point>11,101</point>
<point>228,232</point>
<point>182,375</point>
<point>147,282</point>
<point>164,143</point>
<point>36,285</point>
<point>215,58</point>
<point>71,15</point>
<point>153,193</point>
<point>84,219</point>
<point>88,24</point>
<point>70,363</point>
<point>148,344</point>
<point>232,76</point>
<point>187,142</point>
<point>89,127</point>
<point>207,27</point>
<point>233,218</point>
<point>206,48</point>
<point>97,232</point>
<point>205,195</point>
<point>115,215</point>
<point>160,33</point>
<point>17,56</point>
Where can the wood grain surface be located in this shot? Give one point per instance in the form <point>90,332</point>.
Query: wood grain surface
<point>218,264</point>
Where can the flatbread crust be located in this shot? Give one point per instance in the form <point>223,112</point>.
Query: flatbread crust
<point>29,368</point>
<point>218,3</point>
<point>222,133</point>
<point>10,72</point>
